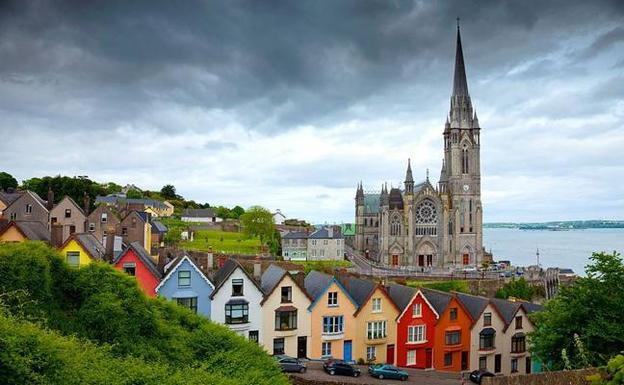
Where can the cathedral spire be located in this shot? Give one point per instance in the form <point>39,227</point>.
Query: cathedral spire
<point>461,107</point>
<point>409,179</point>
<point>460,84</point>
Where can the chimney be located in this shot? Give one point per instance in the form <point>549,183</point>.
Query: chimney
<point>109,247</point>
<point>56,235</point>
<point>299,277</point>
<point>257,269</point>
<point>209,260</point>
<point>330,231</point>
<point>87,203</point>
<point>50,203</point>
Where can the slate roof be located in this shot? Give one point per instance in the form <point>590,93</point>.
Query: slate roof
<point>270,278</point>
<point>532,307</point>
<point>507,309</point>
<point>113,199</point>
<point>143,255</point>
<point>90,244</point>
<point>144,216</point>
<point>395,199</point>
<point>158,227</point>
<point>198,213</point>
<point>475,305</point>
<point>323,233</point>
<point>295,235</point>
<point>438,299</point>
<point>360,289</point>
<point>222,275</point>
<point>401,295</point>
<point>315,282</point>
<point>33,230</point>
<point>9,197</point>
<point>371,203</point>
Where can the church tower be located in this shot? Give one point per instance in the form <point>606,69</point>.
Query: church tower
<point>460,179</point>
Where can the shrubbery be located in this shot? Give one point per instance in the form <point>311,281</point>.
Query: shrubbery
<point>96,309</point>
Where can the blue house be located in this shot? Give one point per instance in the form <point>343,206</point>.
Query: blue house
<point>187,285</point>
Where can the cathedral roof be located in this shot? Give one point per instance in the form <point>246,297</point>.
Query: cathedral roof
<point>460,84</point>
<point>371,203</point>
<point>396,199</point>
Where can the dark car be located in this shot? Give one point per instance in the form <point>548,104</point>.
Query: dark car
<point>477,375</point>
<point>290,364</point>
<point>382,371</point>
<point>333,366</point>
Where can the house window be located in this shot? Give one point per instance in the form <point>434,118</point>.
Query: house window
<point>73,258</point>
<point>376,305</point>
<point>54,220</point>
<point>13,216</point>
<point>104,218</point>
<point>411,357</point>
<point>453,313</point>
<point>332,298</point>
<point>448,359</point>
<point>190,303</point>
<point>376,330</point>
<point>483,363</point>
<point>417,310</point>
<point>371,353</point>
<point>333,324</point>
<point>286,320</point>
<point>487,319</point>
<point>514,365</point>
<point>237,287</point>
<point>325,242</point>
<point>519,322</point>
<point>28,209</point>
<point>129,268</point>
<point>452,338</point>
<point>253,336</point>
<point>278,346</point>
<point>184,278</point>
<point>91,226</point>
<point>486,339</point>
<point>67,213</point>
<point>286,294</point>
<point>72,229</point>
<point>124,231</point>
<point>326,349</point>
<point>518,343</point>
<point>236,313</point>
<point>416,333</point>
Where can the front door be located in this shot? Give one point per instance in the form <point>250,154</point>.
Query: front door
<point>464,360</point>
<point>395,260</point>
<point>421,260</point>
<point>497,363</point>
<point>428,358</point>
<point>302,347</point>
<point>390,354</point>
<point>527,366</point>
<point>466,259</point>
<point>347,351</point>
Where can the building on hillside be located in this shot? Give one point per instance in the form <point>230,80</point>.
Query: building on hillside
<point>102,221</point>
<point>136,227</point>
<point>295,246</point>
<point>326,243</point>
<point>278,217</point>
<point>158,233</point>
<point>21,231</point>
<point>429,225</point>
<point>333,326</point>
<point>7,197</point>
<point>125,205</point>
<point>80,249</point>
<point>200,215</point>
<point>286,320</point>
<point>29,207</point>
<point>187,284</point>
<point>236,300</point>
<point>134,260</point>
<point>69,217</point>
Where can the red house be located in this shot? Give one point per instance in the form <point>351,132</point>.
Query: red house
<point>415,327</point>
<point>136,261</point>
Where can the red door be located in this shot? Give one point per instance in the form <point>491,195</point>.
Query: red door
<point>466,259</point>
<point>395,260</point>
<point>421,260</point>
<point>428,358</point>
<point>390,355</point>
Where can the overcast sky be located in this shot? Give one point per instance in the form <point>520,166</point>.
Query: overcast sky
<point>289,104</point>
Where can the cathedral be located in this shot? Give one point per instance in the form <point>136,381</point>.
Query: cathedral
<point>424,225</point>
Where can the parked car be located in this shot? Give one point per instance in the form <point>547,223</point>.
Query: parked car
<point>333,366</point>
<point>382,371</point>
<point>290,364</point>
<point>477,375</point>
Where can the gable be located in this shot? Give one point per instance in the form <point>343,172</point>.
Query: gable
<point>12,234</point>
<point>386,302</point>
<point>171,279</point>
<point>66,203</point>
<point>249,285</point>
<point>419,297</point>
<point>333,285</point>
<point>287,280</point>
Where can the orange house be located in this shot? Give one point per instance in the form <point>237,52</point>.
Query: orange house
<point>452,338</point>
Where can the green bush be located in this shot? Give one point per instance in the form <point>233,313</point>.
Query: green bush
<point>105,307</point>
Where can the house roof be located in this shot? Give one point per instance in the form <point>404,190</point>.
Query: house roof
<point>401,295</point>
<point>8,197</point>
<point>316,282</point>
<point>226,271</point>
<point>198,213</point>
<point>35,197</point>
<point>113,199</point>
<point>272,277</point>
<point>295,235</point>
<point>158,227</point>
<point>89,243</point>
<point>175,264</point>
<point>323,233</point>
<point>507,309</point>
<point>73,202</point>
<point>360,289</point>
<point>474,304</point>
<point>438,299</point>
<point>143,255</point>
<point>32,230</point>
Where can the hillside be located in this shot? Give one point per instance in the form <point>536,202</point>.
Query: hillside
<point>94,326</point>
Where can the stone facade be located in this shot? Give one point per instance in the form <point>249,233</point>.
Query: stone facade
<point>425,225</point>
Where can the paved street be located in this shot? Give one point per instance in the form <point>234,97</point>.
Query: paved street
<point>421,377</point>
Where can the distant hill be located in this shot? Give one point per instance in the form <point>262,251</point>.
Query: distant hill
<point>559,225</point>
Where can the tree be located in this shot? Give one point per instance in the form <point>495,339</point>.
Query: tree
<point>75,187</point>
<point>517,288</point>
<point>222,212</point>
<point>584,319</point>
<point>258,222</point>
<point>7,181</point>
<point>134,194</point>
<point>168,191</point>
<point>236,212</point>
<point>611,374</point>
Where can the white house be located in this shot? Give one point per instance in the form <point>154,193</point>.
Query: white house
<point>236,301</point>
<point>278,217</point>
<point>200,215</point>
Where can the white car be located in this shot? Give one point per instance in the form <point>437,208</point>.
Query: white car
<point>469,269</point>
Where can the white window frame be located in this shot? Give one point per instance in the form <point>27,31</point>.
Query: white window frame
<point>332,299</point>
<point>411,357</point>
<point>376,330</point>
<point>326,349</point>
<point>417,334</point>
<point>417,310</point>
<point>376,305</point>
<point>371,353</point>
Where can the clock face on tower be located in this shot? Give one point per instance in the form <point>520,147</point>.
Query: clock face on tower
<point>466,187</point>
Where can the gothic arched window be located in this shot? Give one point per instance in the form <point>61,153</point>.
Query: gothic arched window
<point>465,160</point>
<point>395,226</point>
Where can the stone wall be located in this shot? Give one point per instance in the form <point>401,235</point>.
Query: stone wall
<point>297,380</point>
<point>566,377</point>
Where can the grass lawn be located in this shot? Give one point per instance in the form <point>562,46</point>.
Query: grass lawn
<point>222,241</point>
<point>323,266</point>
<point>455,285</point>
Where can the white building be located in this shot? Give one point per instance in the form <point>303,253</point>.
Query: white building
<point>278,217</point>
<point>326,243</point>
<point>200,215</point>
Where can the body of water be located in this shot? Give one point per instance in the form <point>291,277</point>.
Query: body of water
<point>557,248</point>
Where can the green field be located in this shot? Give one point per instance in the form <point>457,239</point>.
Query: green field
<point>222,241</point>
<point>448,286</point>
<point>323,266</point>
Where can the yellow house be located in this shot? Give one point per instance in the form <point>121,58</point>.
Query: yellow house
<point>81,249</point>
<point>20,231</point>
<point>332,324</point>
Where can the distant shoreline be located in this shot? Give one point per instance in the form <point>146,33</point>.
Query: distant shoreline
<point>558,225</point>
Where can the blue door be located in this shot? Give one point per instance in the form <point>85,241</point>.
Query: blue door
<point>347,351</point>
